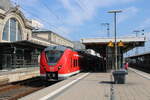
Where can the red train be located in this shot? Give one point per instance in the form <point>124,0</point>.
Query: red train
<point>59,62</point>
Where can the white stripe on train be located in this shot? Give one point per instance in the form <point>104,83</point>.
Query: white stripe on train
<point>63,75</point>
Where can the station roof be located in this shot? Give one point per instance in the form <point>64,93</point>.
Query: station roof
<point>23,43</point>
<point>100,44</point>
<point>138,55</point>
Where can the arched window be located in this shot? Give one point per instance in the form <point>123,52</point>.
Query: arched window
<point>6,31</point>
<point>12,30</point>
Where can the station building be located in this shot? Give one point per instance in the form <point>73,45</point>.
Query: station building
<point>20,43</point>
<point>51,37</point>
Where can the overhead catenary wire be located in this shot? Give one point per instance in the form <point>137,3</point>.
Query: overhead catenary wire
<point>43,20</point>
<point>78,2</point>
<point>80,5</point>
<point>16,3</point>
<point>51,11</point>
<point>37,17</point>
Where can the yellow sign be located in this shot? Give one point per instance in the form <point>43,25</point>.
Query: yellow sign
<point>110,44</point>
<point>120,44</point>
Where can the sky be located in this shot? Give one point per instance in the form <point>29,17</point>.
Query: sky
<point>76,19</point>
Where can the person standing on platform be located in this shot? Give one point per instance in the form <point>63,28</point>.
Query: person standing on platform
<point>126,65</point>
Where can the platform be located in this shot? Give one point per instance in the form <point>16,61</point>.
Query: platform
<point>136,88</point>
<point>96,86</point>
<point>19,74</point>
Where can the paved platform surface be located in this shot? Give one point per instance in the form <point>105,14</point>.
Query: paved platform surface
<point>7,76</point>
<point>137,87</point>
<point>97,86</point>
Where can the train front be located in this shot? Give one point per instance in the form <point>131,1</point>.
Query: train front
<point>50,62</point>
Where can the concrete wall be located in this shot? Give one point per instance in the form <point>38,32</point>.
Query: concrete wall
<point>19,74</point>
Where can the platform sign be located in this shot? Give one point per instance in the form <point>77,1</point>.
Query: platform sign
<point>120,44</point>
<point>110,44</point>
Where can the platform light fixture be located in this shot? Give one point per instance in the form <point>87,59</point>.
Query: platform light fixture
<point>115,32</point>
<point>136,33</point>
<point>107,25</point>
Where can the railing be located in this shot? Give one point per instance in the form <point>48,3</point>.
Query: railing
<point>12,61</point>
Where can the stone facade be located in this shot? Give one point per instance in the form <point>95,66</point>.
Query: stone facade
<point>52,38</point>
<point>15,13</point>
<point>15,27</point>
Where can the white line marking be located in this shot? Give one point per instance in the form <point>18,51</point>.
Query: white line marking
<point>139,73</point>
<point>62,88</point>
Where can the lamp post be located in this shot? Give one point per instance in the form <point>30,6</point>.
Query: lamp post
<point>115,32</point>
<point>107,25</point>
<point>136,33</point>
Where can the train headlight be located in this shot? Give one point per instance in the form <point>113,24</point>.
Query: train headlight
<point>44,67</point>
<point>60,67</point>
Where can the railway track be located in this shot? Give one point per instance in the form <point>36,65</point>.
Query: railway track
<point>147,70</point>
<point>13,91</point>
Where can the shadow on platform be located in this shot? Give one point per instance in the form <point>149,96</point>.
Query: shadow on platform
<point>106,82</point>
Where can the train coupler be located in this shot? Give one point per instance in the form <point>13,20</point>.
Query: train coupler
<point>52,75</point>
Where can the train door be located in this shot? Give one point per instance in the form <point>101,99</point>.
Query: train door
<point>75,62</point>
<point>71,62</point>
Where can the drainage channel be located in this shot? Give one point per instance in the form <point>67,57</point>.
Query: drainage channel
<point>112,92</point>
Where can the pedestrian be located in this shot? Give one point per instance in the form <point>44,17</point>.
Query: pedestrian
<point>126,65</point>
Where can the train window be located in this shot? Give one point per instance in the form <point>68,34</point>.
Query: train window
<point>74,63</point>
<point>71,62</point>
<point>53,56</point>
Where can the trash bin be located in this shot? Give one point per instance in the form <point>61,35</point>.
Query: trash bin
<point>119,76</point>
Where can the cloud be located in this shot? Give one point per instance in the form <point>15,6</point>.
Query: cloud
<point>147,35</point>
<point>127,13</point>
<point>63,29</point>
<point>79,12</point>
<point>145,24</point>
<point>73,12</point>
<point>125,1</point>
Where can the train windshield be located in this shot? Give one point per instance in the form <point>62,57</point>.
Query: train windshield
<point>53,56</point>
